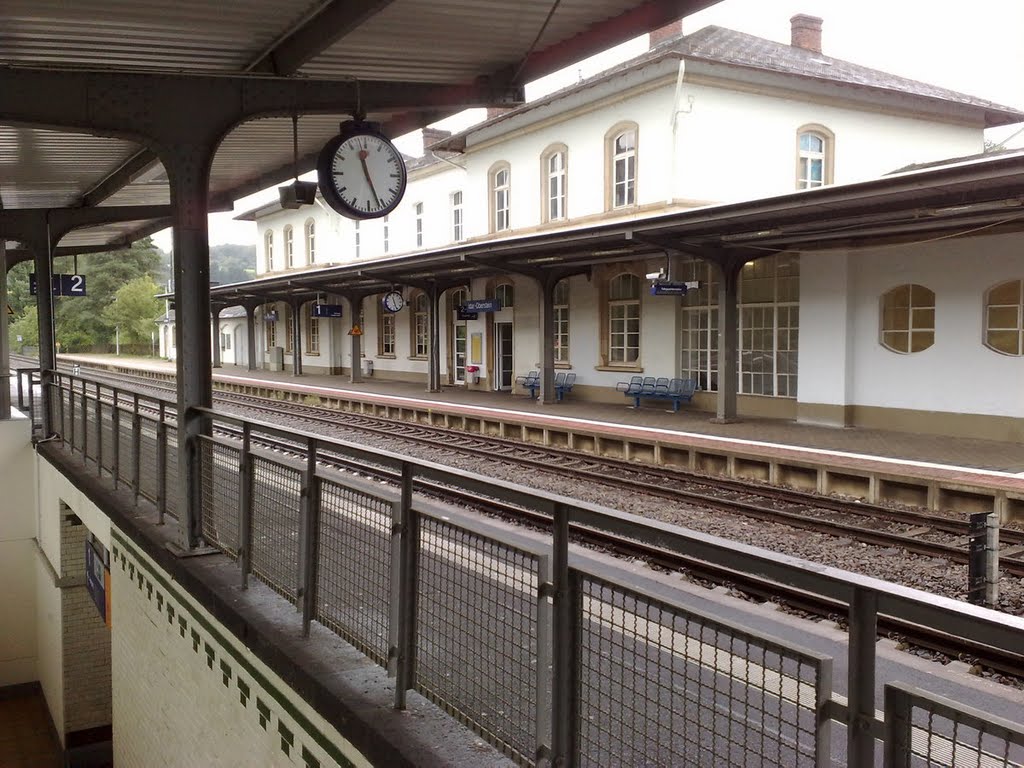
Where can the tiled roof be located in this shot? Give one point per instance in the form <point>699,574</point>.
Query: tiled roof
<point>719,45</point>
<point>727,46</point>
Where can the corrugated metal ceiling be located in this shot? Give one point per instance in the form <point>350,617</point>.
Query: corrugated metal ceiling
<point>448,41</point>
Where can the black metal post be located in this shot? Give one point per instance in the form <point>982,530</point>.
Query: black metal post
<point>245,507</point>
<point>863,621</point>
<point>406,585</point>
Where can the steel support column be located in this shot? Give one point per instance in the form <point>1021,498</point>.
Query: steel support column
<point>296,309</point>
<point>188,168</point>
<point>728,339</point>
<point>547,339</point>
<point>250,335</point>
<point>434,357</point>
<point>47,342</point>
<point>5,352</point>
<point>215,311</point>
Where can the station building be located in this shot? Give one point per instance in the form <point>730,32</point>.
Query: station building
<point>861,332</point>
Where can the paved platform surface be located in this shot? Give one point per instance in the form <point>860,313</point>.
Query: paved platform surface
<point>948,451</point>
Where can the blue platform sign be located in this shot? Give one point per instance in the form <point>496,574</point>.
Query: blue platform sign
<point>481,305</point>
<point>672,289</point>
<point>327,310</point>
<point>62,285</point>
<point>97,580</point>
<point>461,314</point>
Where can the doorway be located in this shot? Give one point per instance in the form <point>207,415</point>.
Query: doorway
<point>503,366</point>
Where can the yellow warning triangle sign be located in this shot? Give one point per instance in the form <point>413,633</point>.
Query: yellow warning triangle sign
<point>356,331</point>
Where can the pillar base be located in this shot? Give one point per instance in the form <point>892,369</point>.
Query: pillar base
<point>729,420</point>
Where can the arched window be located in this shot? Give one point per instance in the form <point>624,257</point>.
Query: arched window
<point>500,197</point>
<point>561,307</point>
<point>418,210</point>
<point>908,319</point>
<point>505,294</point>
<point>1004,318</point>
<point>385,331</point>
<point>554,173</point>
<point>268,249</point>
<point>420,325</point>
<point>289,247</point>
<point>270,324</point>
<point>624,319</point>
<point>310,241</point>
<point>814,162</point>
<point>457,232</point>
<point>621,165</point>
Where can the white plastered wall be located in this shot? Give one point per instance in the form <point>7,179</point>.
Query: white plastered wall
<point>839,329</point>
<point>18,654</point>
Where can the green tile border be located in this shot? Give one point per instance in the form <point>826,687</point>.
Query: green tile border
<point>300,720</point>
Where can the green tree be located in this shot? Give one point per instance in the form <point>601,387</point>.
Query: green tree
<point>134,310</point>
<point>26,326</point>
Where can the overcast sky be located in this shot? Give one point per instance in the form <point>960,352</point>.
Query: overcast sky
<point>974,47</point>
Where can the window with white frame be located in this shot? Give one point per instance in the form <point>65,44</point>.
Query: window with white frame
<point>418,208</point>
<point>622,160</point>
<point>554,173</point>
<point>908,319</point>
<point>561,310</point>
<point>386,333</point>
<point>814,156</point>
<point>624,319</point>
<point>769,326</point>
<point>310,241</point>
<point>270,324</point>
<point>289,327</point>
<point>420,325</point>
<point>1004,318</point>
<point>457,234</point>
<point>313,335</point>
<point>289,247</point>
<point>268,249</point>
<point>357,235</point>
<point>505,294</point>
<point>501,190</point>
<point>387,235</point>
<point>225,341</point>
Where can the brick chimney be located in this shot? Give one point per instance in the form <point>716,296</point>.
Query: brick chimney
<point>806,32</point>
<point>433,135</point>
<point>661,34</point>
<point>493,112</point>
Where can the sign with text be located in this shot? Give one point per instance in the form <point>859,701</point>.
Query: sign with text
<point>672,289</point>
<point>461,314</point>
<point>481,305</point>
<point>63,285</point>
<point>97,580</point>
<point>327,310</point>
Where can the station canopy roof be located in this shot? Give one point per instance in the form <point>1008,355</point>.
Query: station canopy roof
<point>968,197</point>
<point>482,46</point>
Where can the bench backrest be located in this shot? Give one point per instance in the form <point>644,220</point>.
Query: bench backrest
<point>683,387</point>
<point>559,378</point>
<point>570,379</point>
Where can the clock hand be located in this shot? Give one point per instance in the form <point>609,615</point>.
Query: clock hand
<point>366,172</point>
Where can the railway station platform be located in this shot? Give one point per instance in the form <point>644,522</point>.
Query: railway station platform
<point>967,475</point>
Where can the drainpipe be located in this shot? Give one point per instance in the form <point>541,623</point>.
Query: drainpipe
<point>674,123</point>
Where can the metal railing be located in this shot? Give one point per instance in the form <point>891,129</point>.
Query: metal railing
<point>29,400</point>
<point>549,656</point>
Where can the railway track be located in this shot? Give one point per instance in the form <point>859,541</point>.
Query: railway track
<point>921,533</point>
<point>715,493</point>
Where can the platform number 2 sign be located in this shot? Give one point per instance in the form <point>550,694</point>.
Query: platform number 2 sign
<point>63,285</point>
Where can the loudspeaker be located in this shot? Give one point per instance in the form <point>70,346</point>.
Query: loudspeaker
<point>297,194</point>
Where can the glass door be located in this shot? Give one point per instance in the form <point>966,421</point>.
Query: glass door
<point>503,371</point>
<point>459,349</point>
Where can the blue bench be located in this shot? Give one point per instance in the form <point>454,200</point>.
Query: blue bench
<point>564,383</point>
<point>676,390</point>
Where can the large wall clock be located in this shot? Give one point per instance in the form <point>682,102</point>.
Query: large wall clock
<point>361,173</point>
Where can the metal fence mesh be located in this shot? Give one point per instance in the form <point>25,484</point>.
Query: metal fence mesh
<point>149,480</point>
<point>944,733</point>
<point>275,525</point>
<point>477,643</point>
<point>221,480</point>
<point>171,469</point>
<point>663,687</point>
<point>354,573</point>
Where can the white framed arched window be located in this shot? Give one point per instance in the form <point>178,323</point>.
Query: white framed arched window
<point>1004,318</point>
<point>554,175</point>
<point>908,319</point>
<point>289,247</point>
<point>500,179</point>
<point>624,319</point>
<point>310,241</point>
<point>621,165</point>
<point>814,156</point>
<point>268,250</point>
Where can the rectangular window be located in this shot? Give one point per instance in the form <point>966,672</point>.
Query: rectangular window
<point>387,334</point>
<point>624,333</point>
<point>556,186</point>
<point>271,326</point>
<point>457,217</point>
<point>422,334</point>
<point>624,169</point>
<point>358,238</point>
<point>313,336</point>
<point>225,341</point>
<point>419,225</point>
<point>289,328</point>
<point>387,244</point>
<point>560,303</point>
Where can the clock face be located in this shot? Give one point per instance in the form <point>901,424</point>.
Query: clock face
<point>361,174</point>
<point>393,301</point>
